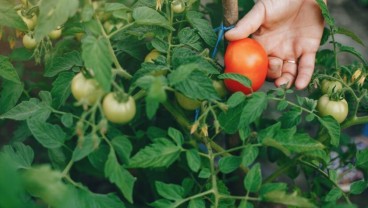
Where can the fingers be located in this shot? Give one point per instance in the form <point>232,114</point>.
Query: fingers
<point>305,70</point>
<point>248,24</point>
<point>289,72</point>
<point>274,67</point>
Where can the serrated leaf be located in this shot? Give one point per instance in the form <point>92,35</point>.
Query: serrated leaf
<point>196,203</point>
<point>20,154</point>
<point>9,95</point>
<point>237,77</point>
<point>333,129</point>
<point>193,159</point>
<point>161,153</point>
<point>189,37</point>
<point>291,118</point>
<point>235,99</point>
<point>253,108</point>
<point>147,16</point>
<point>269,187</point>
<point>249,155</point>
<point>9,17</point>
<point>60,90</point>
<point>151,107</point>
<point>326,14</point>
<point>61,63</point>
<point>204,173</point>
<point>7,70</point>
<point>204,28</point>
<point>67,120</point>
<point>333,195</point>
<point>123,148</point>
<point>349,33</point>
<point>169,191</point>
<point>310,117</point>
<point>353,51</point>
<point>160,45</point>
<point>282,105</point>
<point>162,203</point>
<point>229,163</point>
<point>229,120</point>
<point>176,135</point>
<point>85,148</point>
<point>48,135</point>
<point>362,159</point>
<point>280,197</point>
<point>52,14</point>
<point>96,56</point>
<point>22,111</point>
<point>245,204</point>
<point>119,176</point>
<point>253,179</point>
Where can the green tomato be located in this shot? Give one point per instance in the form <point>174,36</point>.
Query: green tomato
<point>152,56</point>
<point>220,88</point>
<point>337,109</point>
<point>29,42</point>
<point>330,86</point>
<point>55,34</point>
<point>86,91</point>
<point>178,6</point>
<point>29,21</point>
<point>116,111</point>
<point>187,103</point>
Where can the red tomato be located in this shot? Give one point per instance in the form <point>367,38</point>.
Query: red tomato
<point>248,58</point>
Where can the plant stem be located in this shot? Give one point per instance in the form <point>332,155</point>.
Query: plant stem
<point>193,197</point>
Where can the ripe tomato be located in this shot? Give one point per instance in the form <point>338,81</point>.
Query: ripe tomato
<point>178,6</point>
<point>187,103</point>
<point>85,91</point>
<point>29,42</point>
<point>337,109</point>
<point>118,111</point>
<point>248,58</point>
<point>55,34</point>
<point>330,86</point>
<point>151,56</point>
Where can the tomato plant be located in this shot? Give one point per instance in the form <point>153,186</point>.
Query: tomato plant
<point>248,58</point>
<point>118,110</point>
<point>129,109</point>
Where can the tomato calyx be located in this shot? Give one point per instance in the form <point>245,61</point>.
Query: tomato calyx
<point>121,96</point>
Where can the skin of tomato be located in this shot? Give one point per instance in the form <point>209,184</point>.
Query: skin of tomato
<point>337,109</point>
<point>187,103</point>
<point>178,6</point>
<point>220,88</point>
<point>151,56</point>
<point>29,42</point>
<point>55,34</point>
<point>118,112</point>
<point>246,57</point>
<point>329,87</point>
<point>84,90</point>
<point>30,22</point>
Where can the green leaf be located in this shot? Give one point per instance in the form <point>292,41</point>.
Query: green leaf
<point>162,203</point>
<point>123,148</point>
<point>281,197</point>
<point>119,176</point>
<point>60,90</point>
<point>20,154</point>
<point>190,38</point>
<point>334,195</point>
<point>353,51</point>
<point>61,63</point>
<point>358,187</point>
<point>148,16</point>
<point>249,155</point>
<point>362,159</point>
<point>204,173</point>
<point>7,71</point>
<point>253,108</point>
<point>236,99</point>
<point>197,85</point>
<point>326,14</point>
<point>253,179</point>
<point>193,159</point>
<point>85,148</point>
<point>229,163</point>
<point>67,120</point>
<point>52,14</point>
<point>229,120</point>
<point>161,45</point>
<point>196,203</point>
<point>22,111</point>
<point>291,118</point>
<point>237,77</point>
<point>50,136</point>
<point>9,16</point>
<point>282,105</point>
<point>169,191</point>
<point>151,107</point>
<point>349,33</point>
<point>162,153</point>
<point>245,204</point>
<point>333,129</point>
<point>273,143</point>
<point>176,135</point>
<point>98,157</point>
<point>270,187</point>
<point>203,27</point>
<point>96,56</point>
<point>9,95</point>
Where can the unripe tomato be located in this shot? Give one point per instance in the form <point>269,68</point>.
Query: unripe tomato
<point>29,42</point>
<point>30,22</point>
<point>178,6</point>
<point>151,56</point>
<point>108,26</point>
<point>248,58</point>
<point>187,103</point>
<point>85,91</point>
<point>118,111</point>
<point>338,109</point>
<point>55,34</point>
<point>220,88</point>
<point>330,86</point>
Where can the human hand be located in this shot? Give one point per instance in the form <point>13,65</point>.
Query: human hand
<point>290,31</point>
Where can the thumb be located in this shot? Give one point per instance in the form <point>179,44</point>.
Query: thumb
<point>248,24</point>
